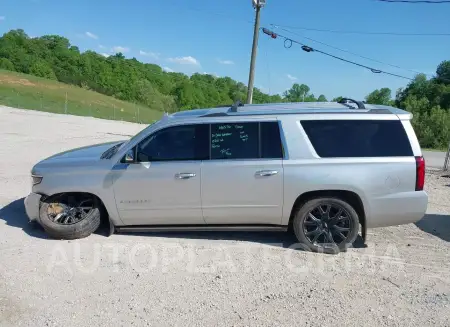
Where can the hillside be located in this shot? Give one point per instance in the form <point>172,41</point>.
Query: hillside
<point>53,57</point>
<point>31,92</point>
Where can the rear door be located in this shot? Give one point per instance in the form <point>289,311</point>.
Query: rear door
<point>242,183</point>
<point>375,158</point>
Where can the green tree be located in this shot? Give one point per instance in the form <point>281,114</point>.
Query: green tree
<point>419,87</point>
<point>297,93</point>
<point>42,69</point>
<point>322,98</point>
<point>443,72</point>
<point>381,96</point>
<point>337,99</point>
<point>52,56</point>
<point>6,64</point>
<point>431,124</point>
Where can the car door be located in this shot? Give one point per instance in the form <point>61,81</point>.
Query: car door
<point>243,181</point>
<point>162,185</point>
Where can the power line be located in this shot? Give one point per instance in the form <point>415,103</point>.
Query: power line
<point>226,15</point>
<point>360,32</point>
<point>418,1</point>
<point>288,43</point>
<point>352,53</point>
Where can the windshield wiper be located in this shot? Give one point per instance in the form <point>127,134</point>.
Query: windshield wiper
<point>108,154</point>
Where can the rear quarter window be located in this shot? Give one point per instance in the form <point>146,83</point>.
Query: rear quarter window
<point>358,138</point>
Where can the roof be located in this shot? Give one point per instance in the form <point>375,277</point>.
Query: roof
<point>289,108</point>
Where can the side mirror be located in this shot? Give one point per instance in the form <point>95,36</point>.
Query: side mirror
<point>129,156</point>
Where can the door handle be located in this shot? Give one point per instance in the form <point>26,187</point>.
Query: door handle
<point>184,175</point>
<point>265,173</point>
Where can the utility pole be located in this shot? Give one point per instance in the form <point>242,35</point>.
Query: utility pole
<point>257,4</point>
<point>447,158</point>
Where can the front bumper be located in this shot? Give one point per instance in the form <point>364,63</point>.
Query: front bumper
<point>32,205</point>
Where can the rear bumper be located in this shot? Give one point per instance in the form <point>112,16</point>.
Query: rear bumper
<point>398,209</point>
<point>32,206</point>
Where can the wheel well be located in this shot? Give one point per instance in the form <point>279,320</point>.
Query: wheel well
<point>80,195</point>
<point>350,197</point>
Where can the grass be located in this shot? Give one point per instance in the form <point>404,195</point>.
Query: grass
<point>30,92</point>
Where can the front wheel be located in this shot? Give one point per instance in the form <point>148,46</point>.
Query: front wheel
<point>70,216</point>
<point>327,225</point>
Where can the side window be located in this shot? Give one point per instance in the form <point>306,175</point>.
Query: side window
<point>271,147</point>
<point>235,141</point>
<point>184,142</point>
<point>358,138</point>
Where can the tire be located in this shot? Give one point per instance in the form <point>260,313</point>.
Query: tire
<point>351,222</point>
<point>77,230</point>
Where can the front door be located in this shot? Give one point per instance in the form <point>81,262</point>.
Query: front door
<point>162,186</point>
<point>243,181</point>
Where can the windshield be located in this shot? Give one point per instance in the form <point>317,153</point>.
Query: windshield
<point>143,131</point>
<point>108,154</point>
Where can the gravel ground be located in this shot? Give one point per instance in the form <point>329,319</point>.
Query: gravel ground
<point>204,279</point>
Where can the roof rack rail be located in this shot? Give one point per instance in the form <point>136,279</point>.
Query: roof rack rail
<point>360,104</point>
<point>234,107</point>
<point>222,106</point>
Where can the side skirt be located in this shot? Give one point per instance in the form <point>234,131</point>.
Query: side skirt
<point>201,228</point>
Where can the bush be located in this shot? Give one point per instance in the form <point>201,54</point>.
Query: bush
<point>41,68</point>
<point>432,124</point>
<point>6,64</point>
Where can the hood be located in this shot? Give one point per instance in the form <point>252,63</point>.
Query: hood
<point>80,156</point>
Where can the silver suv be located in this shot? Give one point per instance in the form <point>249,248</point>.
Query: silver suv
<point>326,170</point>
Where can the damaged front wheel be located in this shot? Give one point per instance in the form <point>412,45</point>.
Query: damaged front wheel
<point>70,215</point>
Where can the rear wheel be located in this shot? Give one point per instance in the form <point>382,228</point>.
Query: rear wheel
<point>70,216</point>
<point>328,225</point>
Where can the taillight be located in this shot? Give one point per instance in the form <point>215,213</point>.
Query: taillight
<point>420,173</point>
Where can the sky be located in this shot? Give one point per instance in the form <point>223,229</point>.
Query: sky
<point>215,37</point>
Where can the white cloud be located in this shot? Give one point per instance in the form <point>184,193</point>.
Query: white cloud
<point>225,62</point>
<point>101,47</point>
<point>292,78</point>
<point>168,69</point>
<point>152,55</point>
<point>2,18</point>
<point>91,35</point>
<point>105,55</point>
<point>118,48</point>
<point>185,61</point>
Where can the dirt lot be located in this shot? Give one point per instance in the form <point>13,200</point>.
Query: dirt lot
<point>204,279</point>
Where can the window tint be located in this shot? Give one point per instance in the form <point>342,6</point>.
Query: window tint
<point>185,142</point>
<point>271,147</point>
<point>358,138</point>
<point>234,141</point>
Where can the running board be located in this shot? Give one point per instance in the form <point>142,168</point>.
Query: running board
<point>211,228</point>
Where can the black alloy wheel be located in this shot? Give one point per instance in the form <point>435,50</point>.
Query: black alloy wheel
<point>327,225</point>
